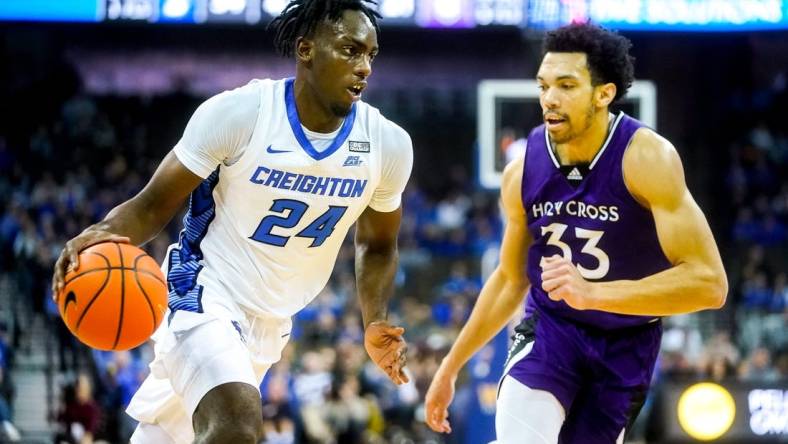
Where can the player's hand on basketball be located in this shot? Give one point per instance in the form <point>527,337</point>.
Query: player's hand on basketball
<point>69,257</point>
<point>387,349</point>
<point>562,281</point>
<point>436,403</point>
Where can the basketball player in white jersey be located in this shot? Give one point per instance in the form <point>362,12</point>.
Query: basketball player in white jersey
<point>277,172</point>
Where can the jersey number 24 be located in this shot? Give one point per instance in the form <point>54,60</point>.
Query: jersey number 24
<point>290,213</point>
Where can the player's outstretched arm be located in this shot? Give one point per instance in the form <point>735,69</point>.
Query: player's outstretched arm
<point>696,281</point>
<point>376,263</point>
<point>137,220</point>
<point>498,301</point>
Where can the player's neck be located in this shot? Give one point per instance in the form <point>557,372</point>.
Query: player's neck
<point>313,114</point>
<point>583,148</point>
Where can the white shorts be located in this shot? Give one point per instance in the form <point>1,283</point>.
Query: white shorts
<point>195,353</point>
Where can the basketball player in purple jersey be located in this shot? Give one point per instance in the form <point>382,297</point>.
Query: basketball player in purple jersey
<point>603,229</point>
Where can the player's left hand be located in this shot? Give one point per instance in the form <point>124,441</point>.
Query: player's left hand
<point>387,349</point>
<point>562,281</point>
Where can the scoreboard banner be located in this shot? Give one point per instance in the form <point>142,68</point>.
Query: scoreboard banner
<point>645,15</point>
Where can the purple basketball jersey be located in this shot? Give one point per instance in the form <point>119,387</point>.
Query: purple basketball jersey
<point>607,233</point>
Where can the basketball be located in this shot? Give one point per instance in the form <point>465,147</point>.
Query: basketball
<point>116,299</point>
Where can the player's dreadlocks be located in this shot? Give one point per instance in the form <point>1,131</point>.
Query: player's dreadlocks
<point>301,17</point>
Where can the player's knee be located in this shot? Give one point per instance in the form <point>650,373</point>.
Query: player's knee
<point>230,413</point>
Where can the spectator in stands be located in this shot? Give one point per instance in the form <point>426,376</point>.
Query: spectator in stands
<point>758,367</point>
<point>755,262</point>
<point>745,229</point>
<point>682,336</point>
<point>720,344</point>
<point>718,369</point>
<point>312,386</point>
<point>10,226</point>
<point>80,415</point>
<point>779,302</point>
<point>772,232</point>
<point>278,424</point>
<point>7,389</point>
<point>127,373</point>
<point>756,293</point>
<point>460,283</point>
<point>782,365</point>
<point>8,432</point>
<point>346,412</point>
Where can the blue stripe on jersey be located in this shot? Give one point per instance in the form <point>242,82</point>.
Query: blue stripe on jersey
<point>184,261</point>
<point>298,132</point>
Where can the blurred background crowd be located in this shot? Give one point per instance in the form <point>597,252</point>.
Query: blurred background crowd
<point>69,152</point>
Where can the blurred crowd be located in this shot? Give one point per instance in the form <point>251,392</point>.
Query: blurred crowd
<point>97,152</point>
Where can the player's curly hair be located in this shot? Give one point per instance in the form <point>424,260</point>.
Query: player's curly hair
<point>607,53</point>
<point>301,17</point>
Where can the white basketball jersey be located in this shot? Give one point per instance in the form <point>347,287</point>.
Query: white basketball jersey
<point>265,226</point>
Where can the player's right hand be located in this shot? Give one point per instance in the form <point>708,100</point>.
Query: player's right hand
<point>387,349</point>
<point>69,257</point>
<point>436,404</point>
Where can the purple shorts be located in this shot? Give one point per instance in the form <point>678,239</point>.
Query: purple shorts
<point>599,376</point>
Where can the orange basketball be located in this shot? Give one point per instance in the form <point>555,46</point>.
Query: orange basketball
<point>116,299</point>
